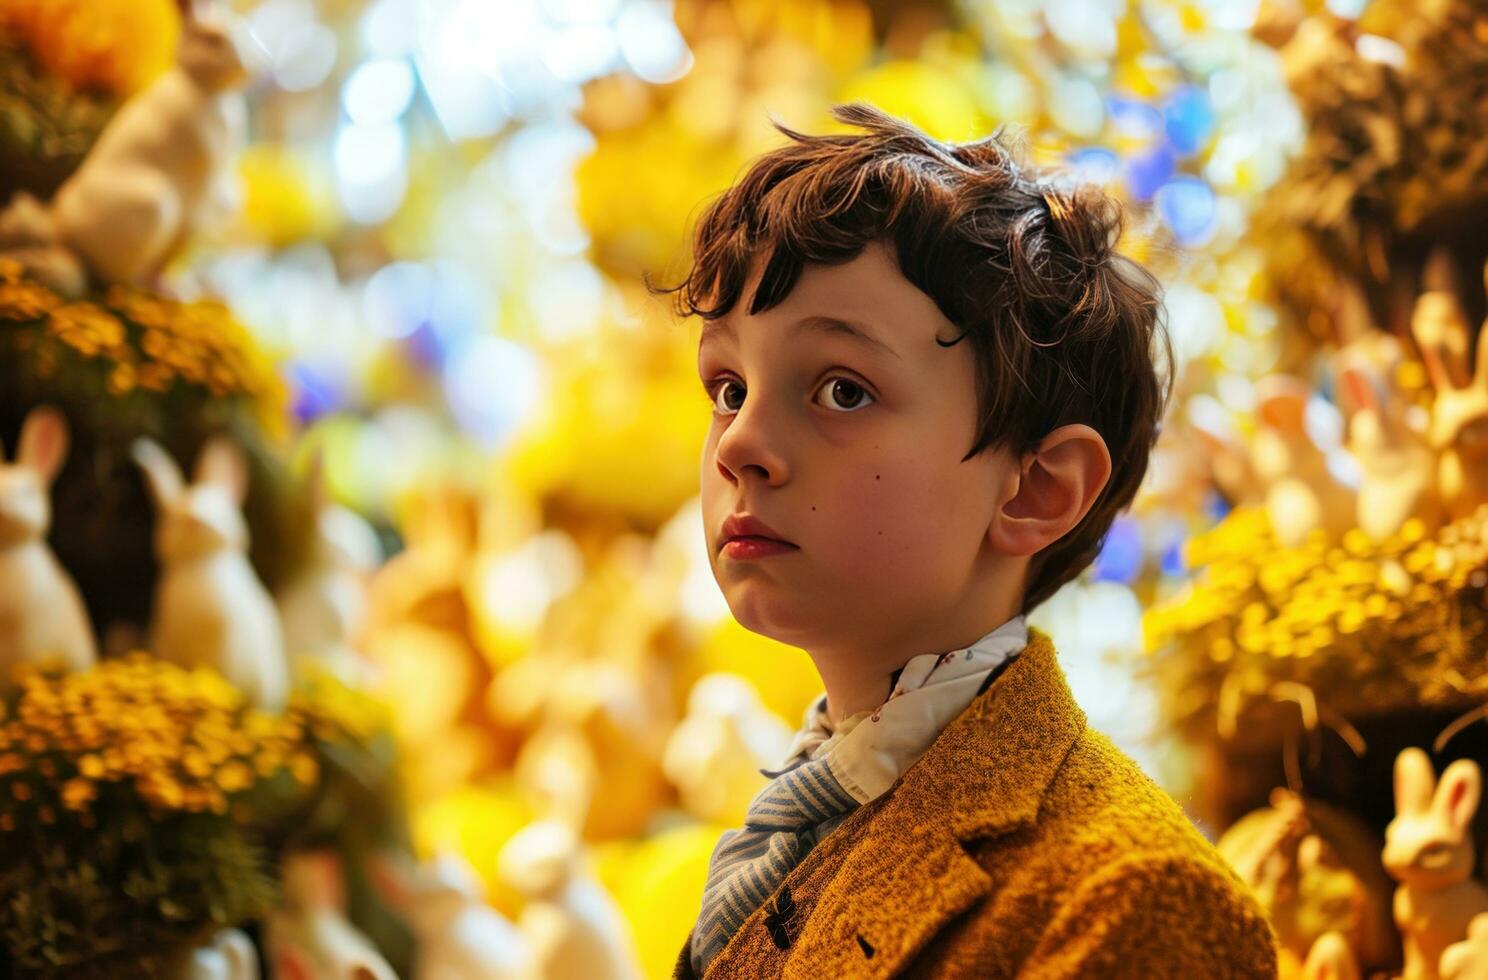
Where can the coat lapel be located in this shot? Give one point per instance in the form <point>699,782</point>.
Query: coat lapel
<point>911,873</point>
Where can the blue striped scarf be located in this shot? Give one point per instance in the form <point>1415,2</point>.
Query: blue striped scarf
<point>784,821</point>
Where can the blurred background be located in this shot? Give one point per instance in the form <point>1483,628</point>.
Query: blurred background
<point>440,215</point>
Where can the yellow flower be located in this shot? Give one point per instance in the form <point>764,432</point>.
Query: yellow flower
<point>78,793</point>
<point>304,768</point>
<point>23,300</point>
<point>117,47</point>
<point>88,329</point>
<point>234,777</point>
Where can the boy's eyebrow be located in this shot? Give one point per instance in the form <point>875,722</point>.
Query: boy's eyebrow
<point>819,323</point>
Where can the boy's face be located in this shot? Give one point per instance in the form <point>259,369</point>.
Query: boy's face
<point>853,453</point>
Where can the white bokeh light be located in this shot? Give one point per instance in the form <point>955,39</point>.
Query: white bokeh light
<point>378,91</point>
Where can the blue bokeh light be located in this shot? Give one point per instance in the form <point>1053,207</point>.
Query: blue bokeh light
<point>1149,170</point>
<point>1188,120</point>
<point>1120,558</point>
<point>1187,205</point>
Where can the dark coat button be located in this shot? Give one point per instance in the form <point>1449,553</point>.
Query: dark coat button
<point>778,918</point>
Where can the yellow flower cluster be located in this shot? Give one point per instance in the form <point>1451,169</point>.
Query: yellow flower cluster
<point>23,299</point>
<point>199,342</point>
<point>151,341</point>
<point>1366,624</point>
<point>182,739</point>
<point>117,47</point>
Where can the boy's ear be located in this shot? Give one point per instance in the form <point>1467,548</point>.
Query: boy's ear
<point>1053,490</point>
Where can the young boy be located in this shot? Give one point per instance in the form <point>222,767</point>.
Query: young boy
<point>933,389</point>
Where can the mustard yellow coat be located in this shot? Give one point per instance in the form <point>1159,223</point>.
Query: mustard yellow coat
<point>1022,844</point>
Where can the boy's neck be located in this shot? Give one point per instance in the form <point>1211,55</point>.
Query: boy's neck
<point>860,680</point>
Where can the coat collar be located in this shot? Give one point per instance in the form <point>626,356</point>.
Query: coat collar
<point>983,777</point>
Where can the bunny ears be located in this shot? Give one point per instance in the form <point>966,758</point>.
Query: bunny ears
<point>1441,329</point>
<point>1454,799</point>
<point>220,463</point>
<point>43,443</point>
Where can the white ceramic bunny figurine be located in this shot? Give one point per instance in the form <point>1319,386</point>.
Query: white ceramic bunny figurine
<point>228,956</point>
<point>210,608</point>
<point>308,937</point>
<point>1301,492</point>
<point>160,163</point>
<point>1429,850</point>
<point>459,936</point>
<point>1399,468</point>
<point>572,927</point>
<point>1468,960</point>
<point>715,754</point>
<point>41,614</point>
<point>1459,415</point>
<point>323,608</point>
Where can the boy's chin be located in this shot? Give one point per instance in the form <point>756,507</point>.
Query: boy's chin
<point>772,616</point>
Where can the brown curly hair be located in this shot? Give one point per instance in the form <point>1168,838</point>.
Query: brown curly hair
<point>1023,261</point>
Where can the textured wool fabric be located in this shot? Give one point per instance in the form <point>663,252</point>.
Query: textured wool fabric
<point>830,771</point>
<point>1021,844</point>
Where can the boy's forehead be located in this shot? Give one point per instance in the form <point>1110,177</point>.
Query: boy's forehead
<point>864,299</point>
<point>820,324</point>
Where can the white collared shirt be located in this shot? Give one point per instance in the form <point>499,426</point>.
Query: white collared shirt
<point>868,751</point>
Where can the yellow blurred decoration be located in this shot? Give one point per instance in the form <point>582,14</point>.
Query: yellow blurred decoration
<point>476,822</point>
<point>624,430</point>
<point>284,199</point>
<point>784,676</point>
<point>659,886</point>
<point>927,95</point>
<point>118,46</point>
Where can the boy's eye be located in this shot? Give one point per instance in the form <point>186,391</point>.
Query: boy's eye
<point>716,390</point>
<point>846,394</point>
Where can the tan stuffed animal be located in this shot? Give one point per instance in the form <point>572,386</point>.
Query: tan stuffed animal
<point>41,614</point>
<point>1429,850</point>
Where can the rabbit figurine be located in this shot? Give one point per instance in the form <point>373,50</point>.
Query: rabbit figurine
<point>29,236</point>
<point>159,164</point>
<point>229,956</point>
<point>1468,960</point>
<point>41,614</point>
<point>308,937</point>
<point>1330,959</point>
<point>210,608</point>
<point>1429,850</point>
<point>322,609</point>
<point>572,927</point>
<point>1300,492</point>
<point>459,936</point>
<point>1399,468</point>
<point>1459,415</point>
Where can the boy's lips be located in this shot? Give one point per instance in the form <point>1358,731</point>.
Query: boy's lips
<point>751,527</point>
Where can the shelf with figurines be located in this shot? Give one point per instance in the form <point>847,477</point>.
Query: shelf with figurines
<point>194,779</point>
<point>1333,632</point>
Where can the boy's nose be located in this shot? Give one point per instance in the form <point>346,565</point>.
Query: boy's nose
<point>745,446</point>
